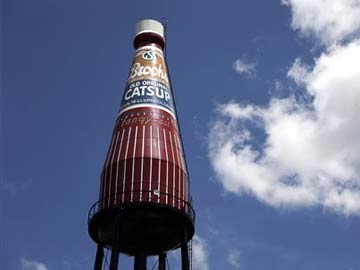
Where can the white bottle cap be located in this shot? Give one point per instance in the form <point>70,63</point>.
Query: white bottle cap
<point>149,26</point>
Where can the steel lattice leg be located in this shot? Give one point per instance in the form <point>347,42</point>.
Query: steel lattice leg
<point>140,262</point>
<point>185,252</point>
<point>99,257</point>
<point>162,261</point>
<point>115,249</point>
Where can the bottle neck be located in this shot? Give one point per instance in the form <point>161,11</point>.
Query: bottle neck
<point>149,39</point>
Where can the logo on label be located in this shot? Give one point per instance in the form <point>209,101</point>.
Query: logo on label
<point>137,70</point>
<point>148,82</point>
<point>149,55</point>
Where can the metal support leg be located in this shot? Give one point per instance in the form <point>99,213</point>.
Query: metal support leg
<point>162,261</point>
<point>115,248</point>
<point>185,252</point>
<point>99,257</point>
<point>140,261</point>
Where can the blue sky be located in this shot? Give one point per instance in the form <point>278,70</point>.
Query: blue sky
<point>268,99</point>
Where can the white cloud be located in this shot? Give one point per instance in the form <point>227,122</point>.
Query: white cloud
<point>27,264</point>
<point>311,152</point>
<point>200,254</point>
<point>328,20</point>
<point>242,67</point>
<point>298,72</point>
<point>278,85</point>
<point>234,258</point>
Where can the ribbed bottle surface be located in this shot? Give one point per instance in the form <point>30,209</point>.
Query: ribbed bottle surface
<point>145,161</point>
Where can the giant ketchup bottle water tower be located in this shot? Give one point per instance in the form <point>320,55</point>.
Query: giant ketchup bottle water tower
<point>144,207</point>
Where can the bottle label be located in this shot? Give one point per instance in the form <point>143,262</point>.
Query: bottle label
<point>148,82</point>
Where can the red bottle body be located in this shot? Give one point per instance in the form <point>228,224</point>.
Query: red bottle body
<point>145,162</point>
